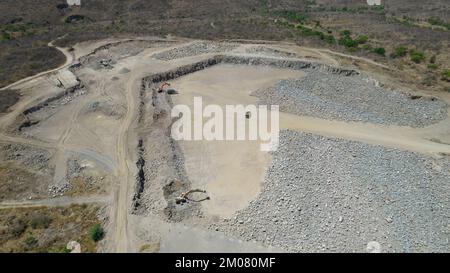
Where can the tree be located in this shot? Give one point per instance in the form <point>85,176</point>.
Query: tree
<point>97,233</point>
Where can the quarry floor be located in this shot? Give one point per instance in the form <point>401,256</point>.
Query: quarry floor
<point>81,147</point>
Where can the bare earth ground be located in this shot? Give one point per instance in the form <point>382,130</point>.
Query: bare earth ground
<point>93,131</point>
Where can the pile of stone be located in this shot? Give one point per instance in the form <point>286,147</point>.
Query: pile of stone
<point>352,98</point>
<point>194,49</point>
<point>58,190</point>
<point>327,194</point>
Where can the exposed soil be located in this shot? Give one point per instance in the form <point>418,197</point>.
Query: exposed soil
<point>109,141</point>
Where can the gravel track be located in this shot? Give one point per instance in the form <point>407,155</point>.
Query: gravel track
<point>326,194</point>
<point>352,98</point>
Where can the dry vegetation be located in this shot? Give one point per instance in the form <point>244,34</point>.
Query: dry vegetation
<point>18,183</point>
<point>47,229</point>
<point>30,24</point>
<point>82,186</point>
<point>7,99</point>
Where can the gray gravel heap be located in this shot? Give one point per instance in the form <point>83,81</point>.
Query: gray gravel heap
<point>267,51</point>
<point>326,194</point>
<point>352,98</point>
<point>193,50</point>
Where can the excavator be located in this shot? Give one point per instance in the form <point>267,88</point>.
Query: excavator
<point>161,87</point>
<point>184,197</point>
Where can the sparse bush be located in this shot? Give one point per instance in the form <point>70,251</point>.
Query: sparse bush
<point>17,227</point>
<point>433,59</point>
<point>367,47</point>
<point>97,233</point>
<point>5,36</point>
<point>416,56</point>
<point>429,79</point>
<point>305,30</point>
<point>291,16</point>
<point>432,66</point>
<point>436,21</point>
<point>40,221</point>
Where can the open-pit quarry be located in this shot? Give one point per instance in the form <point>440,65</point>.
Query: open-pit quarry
<point>363,162</point>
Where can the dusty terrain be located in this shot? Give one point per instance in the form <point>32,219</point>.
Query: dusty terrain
<point>352,167</point>
<point>27,26</point>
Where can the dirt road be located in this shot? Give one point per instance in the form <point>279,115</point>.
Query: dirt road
<point>122,196</point>
<point>58,201</point>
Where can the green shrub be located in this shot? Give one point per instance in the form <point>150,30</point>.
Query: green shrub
<point>5,36</point>
<point>432,66</point>
<point>416,56</point>
<point>446,75</point>
<point>436,21</point>
<point>379,50</point>
<point>30,241</point>
<point>66,250</point>
<point>330,39</point>
<point>348,42</point>
<point>97,233</point>
<point>362,39</point>
<point>367,47</point>
<point>305,30</point>
<point>400,51</point>
<point>346,32</point>
<point>291,16</point>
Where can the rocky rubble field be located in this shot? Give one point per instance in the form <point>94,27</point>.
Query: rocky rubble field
<point>352,98</point>
<point>193,50</point>
<point>327,194</point>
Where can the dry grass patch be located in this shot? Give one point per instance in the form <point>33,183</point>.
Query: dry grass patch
<point>47,229</point>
